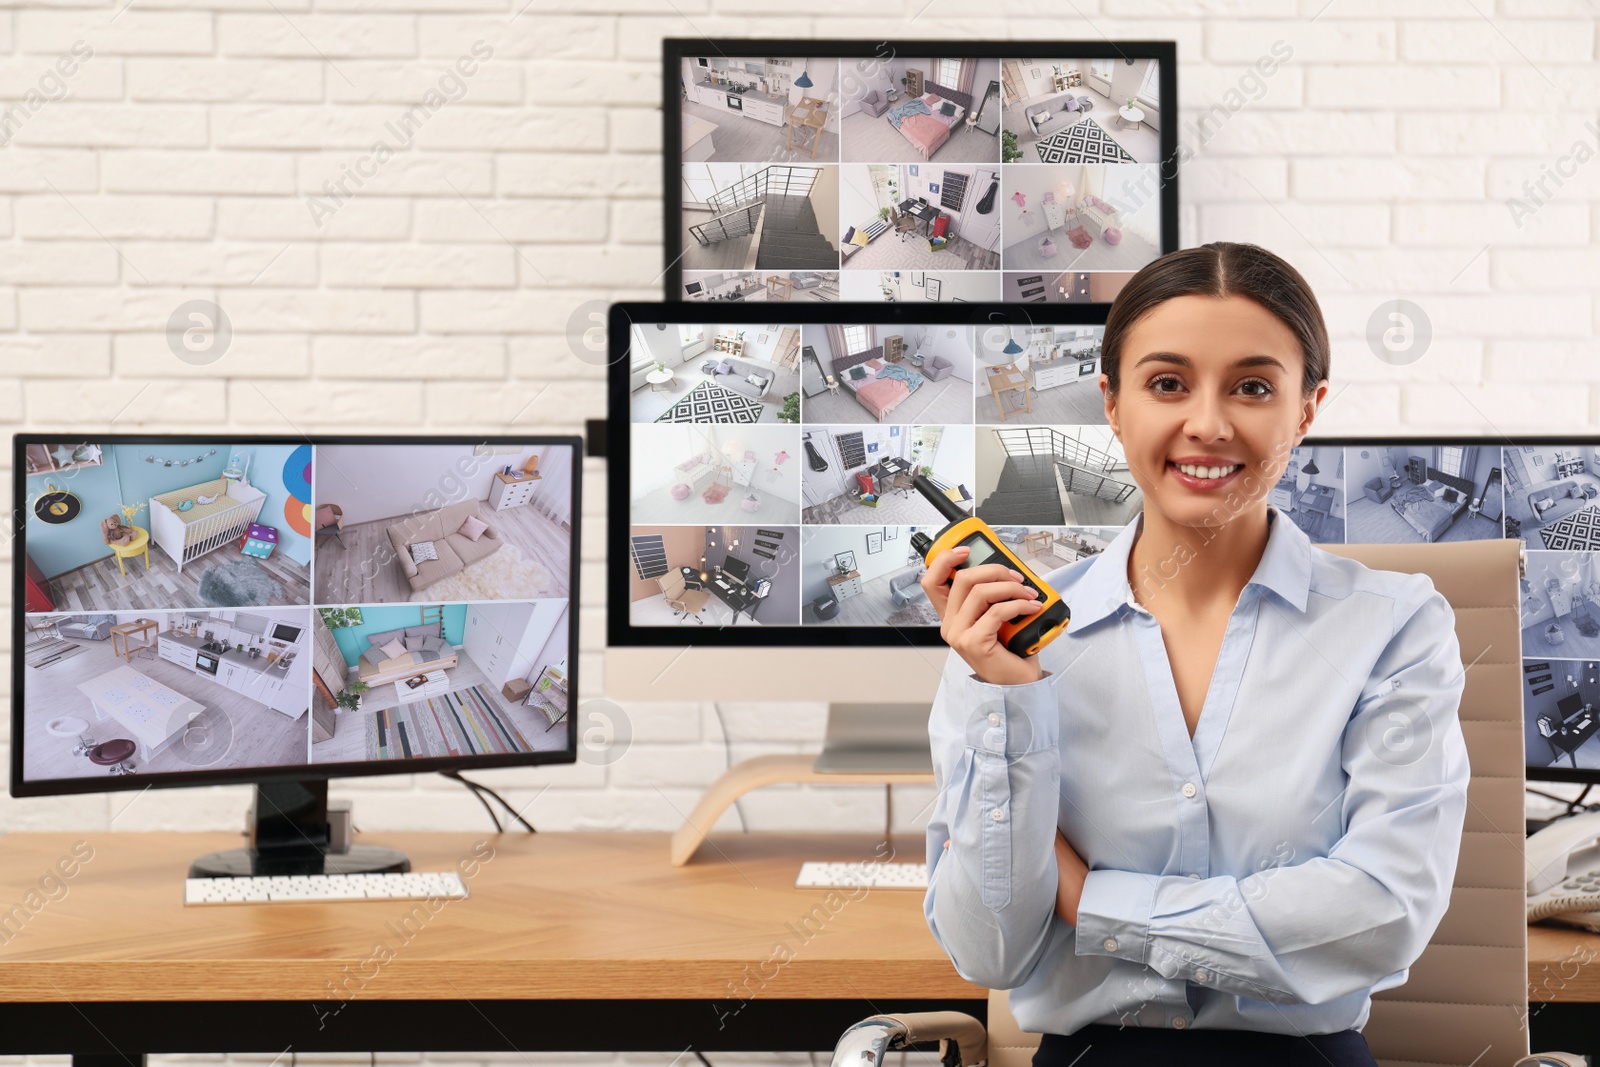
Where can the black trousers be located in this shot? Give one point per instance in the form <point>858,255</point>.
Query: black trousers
<point>1097,1045</point>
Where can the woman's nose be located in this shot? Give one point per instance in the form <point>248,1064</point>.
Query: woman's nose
<point>1206,418</point>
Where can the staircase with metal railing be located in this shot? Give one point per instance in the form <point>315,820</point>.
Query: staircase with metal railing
<point>1042,467</point>
<point>774,206</point>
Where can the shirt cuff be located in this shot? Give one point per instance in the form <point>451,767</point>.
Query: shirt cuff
<point>1114,915</point>
<point>1012,720</point>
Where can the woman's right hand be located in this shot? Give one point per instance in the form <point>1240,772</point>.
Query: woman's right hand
<point>971,608</point>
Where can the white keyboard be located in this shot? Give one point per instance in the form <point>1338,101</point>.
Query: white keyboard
<point>816,874</point>
<point>277,889</point>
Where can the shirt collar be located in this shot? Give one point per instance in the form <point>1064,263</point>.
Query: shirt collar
<point>1285,568</point>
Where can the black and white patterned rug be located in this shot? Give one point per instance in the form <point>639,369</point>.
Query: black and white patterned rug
<point>1085,141</point>
<point>709,402</point>
<point>1580,530</point>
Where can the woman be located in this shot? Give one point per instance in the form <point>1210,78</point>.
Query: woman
<point>1223,808</point>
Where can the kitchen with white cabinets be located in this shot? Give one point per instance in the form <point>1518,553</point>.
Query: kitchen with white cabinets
<point>1062,366</point>
<point>179,691</point>
<point>749,109</point>
<point>256,653</point>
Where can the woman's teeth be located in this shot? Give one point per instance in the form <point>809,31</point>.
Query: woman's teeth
<point>1206,472</point>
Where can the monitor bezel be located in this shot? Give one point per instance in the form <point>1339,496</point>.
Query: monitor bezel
<point>308,771</point>
<point>675,49</point>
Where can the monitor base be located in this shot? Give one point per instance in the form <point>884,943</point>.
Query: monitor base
<point>757,771</point>
<point>244,862</point>
<point>288,826</point>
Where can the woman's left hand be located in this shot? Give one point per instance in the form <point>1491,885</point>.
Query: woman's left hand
<point>1072,872</point>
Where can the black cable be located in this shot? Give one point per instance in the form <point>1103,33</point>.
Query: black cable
<point>1573,805</point>
<point>473,789</point>
<point>727,748</point>
<point>481,788</point>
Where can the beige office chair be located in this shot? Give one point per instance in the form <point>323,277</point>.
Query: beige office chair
<point>682,600</point>
<point>1466,999</point>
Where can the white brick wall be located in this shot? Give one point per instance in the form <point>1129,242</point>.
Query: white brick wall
<point>1378,160</point>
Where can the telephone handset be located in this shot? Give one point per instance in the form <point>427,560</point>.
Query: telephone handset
<point>1563,871</point>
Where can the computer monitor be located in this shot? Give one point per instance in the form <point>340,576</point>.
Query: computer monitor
<point>706,465</point>
<point>280,611</point>
<point>763,479</point>
<point>921,170</point>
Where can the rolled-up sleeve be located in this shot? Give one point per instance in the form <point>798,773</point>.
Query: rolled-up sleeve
<point>1357,918</point>
<point>991,896</point>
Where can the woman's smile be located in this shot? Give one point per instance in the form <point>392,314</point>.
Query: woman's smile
<point>1203,477</point>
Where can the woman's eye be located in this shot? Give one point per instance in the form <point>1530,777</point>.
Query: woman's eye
<point>1155,383</point>
<point>1266,387</point>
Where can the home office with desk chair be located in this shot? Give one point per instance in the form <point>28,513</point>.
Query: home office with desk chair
<point>737,667</point>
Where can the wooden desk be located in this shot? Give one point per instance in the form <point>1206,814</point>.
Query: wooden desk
<point>568,942</point>
<point>1038,541</point>
<point>808,114</point>
<point>1003,379</point>
<point>144,628</point>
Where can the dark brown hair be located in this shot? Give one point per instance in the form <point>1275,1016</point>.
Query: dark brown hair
<point>1221,268</point>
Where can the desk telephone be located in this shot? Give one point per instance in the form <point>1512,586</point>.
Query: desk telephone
<point>1563,871</point>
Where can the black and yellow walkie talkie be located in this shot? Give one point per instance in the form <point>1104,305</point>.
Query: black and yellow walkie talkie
<point>1025,634</point>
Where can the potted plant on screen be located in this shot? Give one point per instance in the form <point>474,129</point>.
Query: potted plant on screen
<point>351,697</point>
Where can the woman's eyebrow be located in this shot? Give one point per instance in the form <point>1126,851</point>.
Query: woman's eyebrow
<point>1185,361</point>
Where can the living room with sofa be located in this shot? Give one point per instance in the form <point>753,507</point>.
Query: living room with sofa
<point>428,680</point>
<point>1554,483</point>
<point>1078,111</point>
<point>712,372</point>
<point>427,523</point>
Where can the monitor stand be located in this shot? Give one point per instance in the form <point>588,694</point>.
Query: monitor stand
<point>876,737</point>
<point>289,835</point>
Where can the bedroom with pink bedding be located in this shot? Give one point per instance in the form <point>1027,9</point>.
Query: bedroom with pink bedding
<point>927,132</point>
<point>880,386</point>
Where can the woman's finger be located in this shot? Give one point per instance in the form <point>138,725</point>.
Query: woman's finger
<point>981,597</point>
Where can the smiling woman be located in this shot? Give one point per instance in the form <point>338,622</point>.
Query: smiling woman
<point>1195,883</point>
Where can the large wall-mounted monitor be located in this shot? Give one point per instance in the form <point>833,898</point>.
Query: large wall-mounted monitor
<point>208,610</point>
<point>917,170</point>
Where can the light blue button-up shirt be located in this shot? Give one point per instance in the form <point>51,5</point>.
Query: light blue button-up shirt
<point>1270,873</point>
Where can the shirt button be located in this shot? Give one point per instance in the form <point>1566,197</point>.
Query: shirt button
<point>1201,977</point>
<point>995,739</point>
<point>997,815</point>
<point>1111,944</point>
<point>994,718</point>
<point>1189,790</point>
<point>1179,1023</point>
<point>1196,877</point>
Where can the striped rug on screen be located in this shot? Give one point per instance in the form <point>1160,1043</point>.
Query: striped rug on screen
<point>466,722</point>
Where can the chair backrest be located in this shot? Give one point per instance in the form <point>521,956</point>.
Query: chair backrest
<point>672,584</point>
<point>1465,1001</point>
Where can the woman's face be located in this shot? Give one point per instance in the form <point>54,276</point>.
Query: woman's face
<point>1209,406</point>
